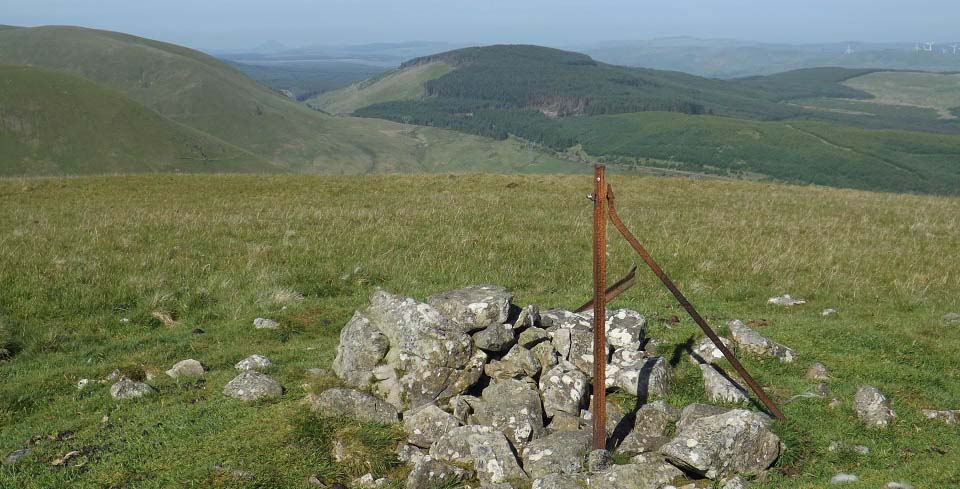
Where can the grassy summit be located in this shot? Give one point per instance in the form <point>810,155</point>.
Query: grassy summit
<point>79,255</point>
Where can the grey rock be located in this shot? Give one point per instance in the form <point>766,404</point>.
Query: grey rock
<point>317,373</point>
<point>838,446</point>
<point>614,418</point>
<point>625,329</point>
<point>843,477</point>
<point>735,482</point>
<point>693,412</point>
<point>650,428</point>
<point>872,407</point>
<point>513,407</point>
<point>254,362</point>
<point>484,448</point>
<point>558,481</point>
<point>130,389</point>
<point>529,317</point>
<point>576,346</point>
<point>565,422</point>
<point>635,374</point>
<point>531,336</point>
<point>188,368</point>
<point>432,358</point>
<point>463,406</point>
<point>410,454</point>
<point>720,388</point>
<point>546,355</point>
<point>785,300</point>
<point>495,338</point>
<point>755,343</point>
<point>475,307</point>
<point>952,318</point>
<point>948,417</point>
<point>251,385</point>
<point>599,460</point>
<point>559,453</point>
<point>735,442</point>
<point>14,456</point>
<point>263,323</point>
<point>704,351</point>
<point>898,485</point>
<point>559,319</point>
<point>519,362</point>
<point>564,389</point>
<point>651,474</point>
<point>362,347</point>
<point>818,371</point>
<point>369,481</point>
<point>828,312</point>
<point>353,404</point>
<point>430,473</point>
<point>426,424</point>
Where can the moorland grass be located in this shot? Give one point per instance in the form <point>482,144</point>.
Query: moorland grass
<point>80,255</point>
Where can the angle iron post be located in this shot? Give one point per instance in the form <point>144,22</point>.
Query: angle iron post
<point>614,290</point>
<point>754,386</point>
<point>599,308</point>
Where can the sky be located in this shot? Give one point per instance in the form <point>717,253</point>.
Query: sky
<point>238,24</point>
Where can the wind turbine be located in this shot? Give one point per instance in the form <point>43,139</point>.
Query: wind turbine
<point>849,50</point>
<point>928,46</point>
<point>955,48</point>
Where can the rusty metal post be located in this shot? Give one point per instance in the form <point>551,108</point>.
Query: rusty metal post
<point>599,308</point>
<point>614,290</point>
<point>754,386</point>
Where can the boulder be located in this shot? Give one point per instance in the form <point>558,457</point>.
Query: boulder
<point>426,424</point>
<point>650,428</point>
<point>559,453</point>
<point>756,344</point>
<point>531,336</point>
<point>558,481</point>
<point>735,442</point>
<point>564,389</point>
<point>518,363</point>
<point>430,473</point>
<point>251,385</point>
<point>189,368</point>
<point>704,351</point>
<point>353,404</point>
<point>652,474</point>
<point>254,362</point>
<point>872,407</point>
<point>721,388</point>
<point>625,329</point>
<point>559,319</point>
<point>484,448</point>
<point>362,347</point>
<point>513,407</point>
<point>635,374</point>
<point>495,338</point>
<point>474,308</point>
<point>576,346</point>
<point>130,389</point>
<point>693,412</point>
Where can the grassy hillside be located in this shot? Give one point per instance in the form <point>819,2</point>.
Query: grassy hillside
<point>307,251</point>
<point>940,92</point>
<point>302,81</point>
<point>55,124</point>
<point>405,84</point>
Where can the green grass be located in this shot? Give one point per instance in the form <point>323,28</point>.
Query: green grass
<point>397,85</point>
<point>78,255</point>
<point>940,92</point>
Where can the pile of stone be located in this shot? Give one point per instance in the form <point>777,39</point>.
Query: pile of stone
<point>489,391</point>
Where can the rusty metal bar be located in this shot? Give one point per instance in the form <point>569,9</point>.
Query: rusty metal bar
<point>617,223</point>
<point>599,308</point>
<point>614,290</point>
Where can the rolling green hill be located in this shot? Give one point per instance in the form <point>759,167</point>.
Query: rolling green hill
<point>407,84</point>
<point>54,124</point>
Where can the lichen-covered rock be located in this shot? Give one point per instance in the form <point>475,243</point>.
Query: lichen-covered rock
<point>513,407</point>
<point>756,344</point>
<point>188,368</point>
<point>952,318</point>
<point>576,346</point>
<point>635,374</point>
<point>693,412</point>
<point>484,448</point>
<point>353,404</point>
<point>720,388</point>
<point>559,453</point>
<point>433,358</point>
<point>818,371</point>
<point>625,329</point>
<point>130,389</point>
<point>947,416</point>
<point>362,347</point>
<point>653,474</point>
<point>529,317</point>
<point>426,424</point>
<point>735,442</point>
<point>704,351</point>
<point>559,319</point>
<point>430,473</point>
<point>546,355</point>
<point>650,427</point>
<point>785,300</point>
<point>462,407</point>
<point>264,323</point>
<point>531,336</point>
<point>872,407</point>
<point>519,362</point>
<point>495,338</point>
<point>564,389</point>
<point>558,481</point>
<point>475,307</point>
<point>251,385</point>
<point>410,454</point>
<point>254,362</point>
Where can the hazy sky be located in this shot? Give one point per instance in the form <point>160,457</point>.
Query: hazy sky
<point>224,24</point>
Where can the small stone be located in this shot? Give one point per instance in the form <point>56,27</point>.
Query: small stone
<point>15,455</point>
<point>186,368</point>
<point>313,480</point>
<point>82,383</point>
<point>561,452</point>
<point>564,389</point>
<point>252,386</point>
<point>872,407</point>
<point>843,477</point>
<point>369,481</point>
<point>836,446</point>
<point>821,390</point>
<point>898,485</point>
<point>704,351</point>
<point>495,338</point>
<point>430,473</point>
<point>254,362</point>
<point>599,460</point>
<point>353,404</point>
<point>948,417</point>
<point>518,363</point>
<point>828,312</point>
<point>756,344</point>
<point>952,318</point>
<point>318,373</point>
<point>197,331</point>
<point>735,482</point>
<point>129,389</point>
<point>264,323</point>
<point>818,371</point>
<point>835,403</point>
<point>785,300</point>
<point>410,454</point>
